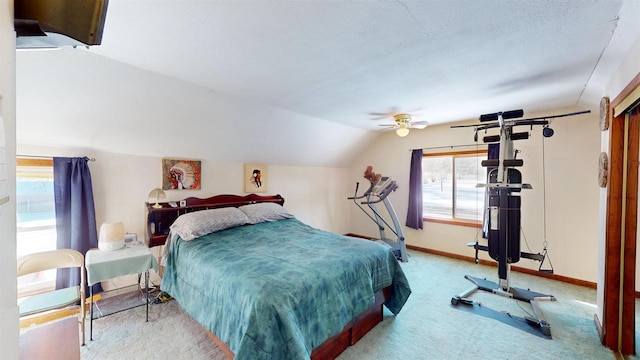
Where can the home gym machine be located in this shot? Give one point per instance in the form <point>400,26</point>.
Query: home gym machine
<point>503,210</point>
<point>379,192</point>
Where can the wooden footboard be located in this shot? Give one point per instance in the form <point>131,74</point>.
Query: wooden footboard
<point>355,330</point>
<point>335,345</point>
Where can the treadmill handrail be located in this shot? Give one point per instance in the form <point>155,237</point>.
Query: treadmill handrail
<point>371,201</point>
<point>355,195</point>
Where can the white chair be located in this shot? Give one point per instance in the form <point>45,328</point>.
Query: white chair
<point>56,299</point>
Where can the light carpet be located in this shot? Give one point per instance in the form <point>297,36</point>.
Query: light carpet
<point>428,327</point>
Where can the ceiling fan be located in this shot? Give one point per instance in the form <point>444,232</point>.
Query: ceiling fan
<point>403,123</point>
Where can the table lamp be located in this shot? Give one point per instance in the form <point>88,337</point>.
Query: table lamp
<point>155,195</point>
<point>111,236</point>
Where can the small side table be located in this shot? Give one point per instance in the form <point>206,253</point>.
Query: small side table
<point>105,265</point>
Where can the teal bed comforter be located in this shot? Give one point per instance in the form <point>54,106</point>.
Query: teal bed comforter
<point>277,290</point>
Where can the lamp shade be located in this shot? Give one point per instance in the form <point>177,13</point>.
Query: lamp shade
<point>402,131</point>
<point>155,195</point>
<point>111,236</point>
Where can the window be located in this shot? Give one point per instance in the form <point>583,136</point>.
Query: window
<point>449,192</point>
<point>35,218</point>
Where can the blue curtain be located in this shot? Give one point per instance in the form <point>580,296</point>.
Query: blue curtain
<point>493,152</point>
<point>414,212</point>
<point>75,213</point>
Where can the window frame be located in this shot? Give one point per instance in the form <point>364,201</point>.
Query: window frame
<point>34,288</point>
<point>453,220</point>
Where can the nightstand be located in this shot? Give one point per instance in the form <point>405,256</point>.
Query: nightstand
<point>105,265</point>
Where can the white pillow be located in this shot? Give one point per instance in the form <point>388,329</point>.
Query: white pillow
<point>198,223</point>
<point>261,212</point>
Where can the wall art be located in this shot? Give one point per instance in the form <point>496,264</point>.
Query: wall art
<point>181,174</point>
<point>255,178</point>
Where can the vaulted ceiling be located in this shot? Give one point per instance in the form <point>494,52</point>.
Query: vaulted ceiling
<point>300,80</point>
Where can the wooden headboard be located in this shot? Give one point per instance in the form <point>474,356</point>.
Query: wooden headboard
<point>159,220</point>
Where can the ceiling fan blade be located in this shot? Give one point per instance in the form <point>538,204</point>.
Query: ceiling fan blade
<point>382,115</point>
<point>388,125</point>
<point>419,124</point>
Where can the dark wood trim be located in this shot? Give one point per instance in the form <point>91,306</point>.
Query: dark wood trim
<point>220,344</point>
<point>33,162</point>
<point>629,268</point>
<point>519,269</point>
<point>561,278</point>
<point>610,315</point>
<point>458,153</point>
<point>615,255</point>
<point>457,222</point>
<point>355,330</point>
<point>599,328</point>
<point>631,87</point>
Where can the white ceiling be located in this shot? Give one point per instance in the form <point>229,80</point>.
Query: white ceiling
<point>340,61</point>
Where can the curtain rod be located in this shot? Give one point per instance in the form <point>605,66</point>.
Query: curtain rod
<point>48,157</point>
<point>448,147</point>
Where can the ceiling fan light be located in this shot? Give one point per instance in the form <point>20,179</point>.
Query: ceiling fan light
<point>402,131</point>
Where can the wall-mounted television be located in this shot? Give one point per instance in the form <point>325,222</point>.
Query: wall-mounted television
<point>55,23</point>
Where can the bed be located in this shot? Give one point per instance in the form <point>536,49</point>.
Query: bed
<point>264,285</point>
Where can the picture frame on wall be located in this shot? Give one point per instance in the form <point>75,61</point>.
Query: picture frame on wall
<point>180,174</point>
<point>255,178</point>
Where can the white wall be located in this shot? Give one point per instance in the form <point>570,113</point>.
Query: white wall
<point>8,305</point>
<point>121,184</point>
<point>570,160</point>
<point>75,98</point>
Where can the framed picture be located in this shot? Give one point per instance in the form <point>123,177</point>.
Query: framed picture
<point>181,174</point>
<point>255,178</point>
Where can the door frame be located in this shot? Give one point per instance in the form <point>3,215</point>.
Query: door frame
<point>617,330</point>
